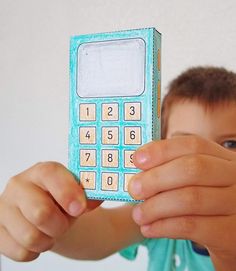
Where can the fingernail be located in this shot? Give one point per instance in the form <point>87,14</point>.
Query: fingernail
<point>145,229</point>
<point>142,156</point>
<point>135,187</point>
<point>137,214</point>
<point>76,208</point>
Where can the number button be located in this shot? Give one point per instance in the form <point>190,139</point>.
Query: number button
<point>132,111</point>
<point>87,135</point>
<point>110,135</point>
<point>110,181</point>
<point>87,112</point>
<point>88,179</point>
<point>87,158</point>
<point>128,159</point>
<point>132,135</point>
<point>110,111</point>
<point>110,158</point>
<point>127,178</point>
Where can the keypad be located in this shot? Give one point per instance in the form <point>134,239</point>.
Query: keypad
<point>108,134</point>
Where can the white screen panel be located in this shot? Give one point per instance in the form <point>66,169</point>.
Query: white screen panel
<point>111,68</point>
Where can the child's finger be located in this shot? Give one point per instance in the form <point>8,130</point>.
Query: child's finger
<point>41,210</point>
<point>206,201</point>
<point>60,183</point>
<point>189,170</point>
<point>24,233</point>
<point>203,230</point>
<point>13,250</point>
<point>159,152</point>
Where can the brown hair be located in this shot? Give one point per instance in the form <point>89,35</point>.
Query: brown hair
<point>206,85</point>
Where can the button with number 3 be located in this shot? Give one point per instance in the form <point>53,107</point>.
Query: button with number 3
<point>132,111</point>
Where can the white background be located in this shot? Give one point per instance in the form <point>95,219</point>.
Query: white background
<point>34,77</point>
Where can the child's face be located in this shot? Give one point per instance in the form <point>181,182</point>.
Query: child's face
<point>217,124</point>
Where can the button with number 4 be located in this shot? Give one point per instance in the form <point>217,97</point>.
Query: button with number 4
<point>87,135</point>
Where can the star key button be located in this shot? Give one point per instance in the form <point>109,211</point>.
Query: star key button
<point>88,179</point>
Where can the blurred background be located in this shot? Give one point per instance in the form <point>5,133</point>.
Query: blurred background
<point>34,78</point>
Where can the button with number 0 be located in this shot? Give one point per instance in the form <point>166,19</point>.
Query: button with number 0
<point>110,181</point>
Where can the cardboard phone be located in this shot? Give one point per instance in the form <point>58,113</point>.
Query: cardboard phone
<point>115,104</point>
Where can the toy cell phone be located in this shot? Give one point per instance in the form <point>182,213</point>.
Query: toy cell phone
<point>114,107</point>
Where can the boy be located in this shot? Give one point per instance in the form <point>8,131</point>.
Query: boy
<point>188,185</point>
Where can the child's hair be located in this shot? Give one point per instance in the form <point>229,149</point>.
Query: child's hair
<point>206,85</point>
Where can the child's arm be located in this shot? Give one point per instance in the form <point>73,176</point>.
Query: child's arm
<point>99,233</point>
<point>189,190</point>
<point>44,203</point>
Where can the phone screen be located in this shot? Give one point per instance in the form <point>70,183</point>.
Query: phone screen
<point>111,68</point>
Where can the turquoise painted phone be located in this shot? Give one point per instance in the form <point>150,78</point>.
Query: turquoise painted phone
<point>115,95</point>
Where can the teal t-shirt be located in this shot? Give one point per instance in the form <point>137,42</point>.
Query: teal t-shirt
<point>171,255</point>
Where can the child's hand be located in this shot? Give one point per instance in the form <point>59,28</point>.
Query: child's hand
<point>36,207</point>
<point>189,190</point>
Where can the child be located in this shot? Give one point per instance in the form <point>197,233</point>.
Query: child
<point>188,185</point>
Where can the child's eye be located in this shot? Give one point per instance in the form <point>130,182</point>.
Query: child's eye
<point>229,144</point>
